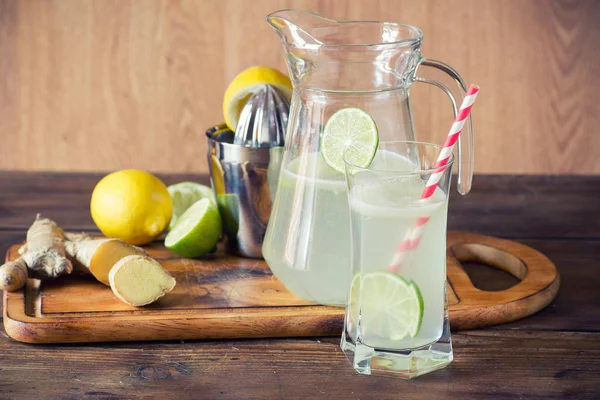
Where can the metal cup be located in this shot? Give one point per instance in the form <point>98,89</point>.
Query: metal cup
<point>244,180</point>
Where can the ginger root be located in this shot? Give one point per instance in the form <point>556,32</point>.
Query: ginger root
<point>98,256</point>
<point>42,257</point>
<point>134,277</point>
<point>140,280</point>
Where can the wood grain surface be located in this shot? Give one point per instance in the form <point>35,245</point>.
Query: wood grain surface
<point>224,297</point>
<point>98,85</point>
<point>508,364</point>
<point>517,207</point>
<point>553,354</point>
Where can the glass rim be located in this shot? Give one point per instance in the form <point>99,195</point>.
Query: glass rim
<point>398,171</point>
<point>415,38</point>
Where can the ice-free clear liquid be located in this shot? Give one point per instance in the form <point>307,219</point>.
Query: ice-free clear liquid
<point>307,246</point>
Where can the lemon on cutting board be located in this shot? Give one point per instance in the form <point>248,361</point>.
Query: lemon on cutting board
<point>131,205</point>
<point>245,84</point>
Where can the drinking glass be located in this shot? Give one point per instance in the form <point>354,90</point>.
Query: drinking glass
<point>396,318</point>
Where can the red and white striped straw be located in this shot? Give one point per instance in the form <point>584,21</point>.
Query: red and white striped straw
<point>412,239</point>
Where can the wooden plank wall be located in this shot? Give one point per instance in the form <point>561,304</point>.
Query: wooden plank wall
<point>108,84</point>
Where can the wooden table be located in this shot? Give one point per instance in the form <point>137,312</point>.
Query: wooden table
<point>554,354</point>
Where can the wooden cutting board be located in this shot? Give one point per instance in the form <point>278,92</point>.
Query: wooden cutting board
<point>230,297</point>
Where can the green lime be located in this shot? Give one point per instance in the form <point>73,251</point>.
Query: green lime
<point>390,305</point>
<point>197,231</point>
<point>229,208</point>
<point>352,132</point>
<point>185,194</point>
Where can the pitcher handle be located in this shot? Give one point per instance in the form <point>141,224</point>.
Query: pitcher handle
<point>446,78</point>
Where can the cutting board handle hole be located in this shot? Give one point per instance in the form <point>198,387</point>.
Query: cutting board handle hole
<point>489,268</point>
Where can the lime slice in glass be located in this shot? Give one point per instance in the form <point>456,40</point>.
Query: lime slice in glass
<point>184,194</point>
<point>391,306</point>
<point>353,132</point>
<point>197,231</point>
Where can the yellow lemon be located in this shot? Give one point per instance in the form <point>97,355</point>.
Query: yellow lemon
<point>218,175</point>
<point>131,205</point>
<point>245,84</point>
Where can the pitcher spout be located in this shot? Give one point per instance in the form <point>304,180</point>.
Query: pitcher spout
<point>293,27</point>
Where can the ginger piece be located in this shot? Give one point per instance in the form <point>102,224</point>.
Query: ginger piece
<point>43,256</point>
<point>13,275</point>
<point>98,256</point>
<point>140,280</point>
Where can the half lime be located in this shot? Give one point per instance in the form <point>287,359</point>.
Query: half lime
<point>349,131</point>
<point>197,231</point>
<point>184,194</point>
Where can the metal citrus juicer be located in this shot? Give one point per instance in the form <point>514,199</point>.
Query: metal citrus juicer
<point>244,169</point>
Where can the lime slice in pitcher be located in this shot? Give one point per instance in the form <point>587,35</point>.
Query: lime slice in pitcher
<point>391,307</point>
<point>352,132</point>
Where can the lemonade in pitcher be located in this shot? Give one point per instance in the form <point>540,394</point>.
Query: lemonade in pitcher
<point>367,67</point>
<point>307,247</point>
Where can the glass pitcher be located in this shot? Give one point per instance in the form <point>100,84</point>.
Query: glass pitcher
<point>333,65</point>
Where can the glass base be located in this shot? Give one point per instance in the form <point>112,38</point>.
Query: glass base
<point>405,363</point>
